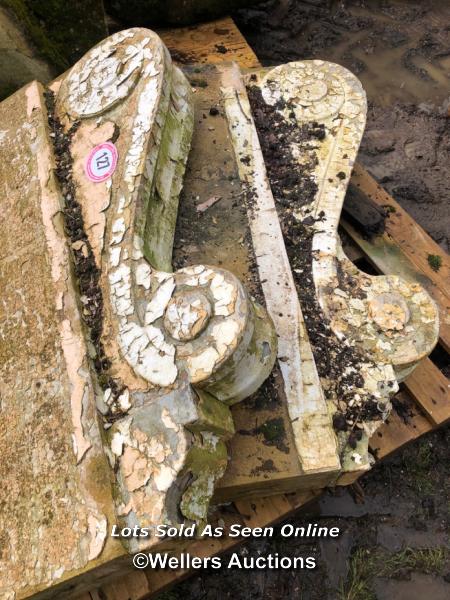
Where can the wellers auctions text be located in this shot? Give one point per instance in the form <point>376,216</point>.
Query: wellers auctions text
<point>310,530</point>
<point>235,560</point>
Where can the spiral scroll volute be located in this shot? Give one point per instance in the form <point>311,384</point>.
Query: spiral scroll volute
<point>199,320</point>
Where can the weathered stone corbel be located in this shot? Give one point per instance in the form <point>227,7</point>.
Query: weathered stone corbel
<point>308,411</point>
<point>367,333</point>
<point>171,350</point>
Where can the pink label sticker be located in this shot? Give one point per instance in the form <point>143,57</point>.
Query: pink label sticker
<point>101,162</point>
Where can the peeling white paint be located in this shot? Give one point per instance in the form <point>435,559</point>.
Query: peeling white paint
<point>106,74</point>
<point>143,275</point>
<point>156,307</point>
<point>98,531</point>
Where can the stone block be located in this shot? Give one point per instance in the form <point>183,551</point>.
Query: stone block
<point>358,335</point>
<point>119,376</point>
<point>56,493</point>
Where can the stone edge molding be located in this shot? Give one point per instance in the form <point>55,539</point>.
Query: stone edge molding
<point>308,412</point>
<point>391,322</point>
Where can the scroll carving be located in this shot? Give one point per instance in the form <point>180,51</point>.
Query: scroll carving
<point>172,349</point>
<point>366,332</point>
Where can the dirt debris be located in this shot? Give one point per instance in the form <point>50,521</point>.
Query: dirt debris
<point>293,186</point>
<point>87,273</point>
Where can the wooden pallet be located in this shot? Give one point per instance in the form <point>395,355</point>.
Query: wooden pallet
<point>403,249</point>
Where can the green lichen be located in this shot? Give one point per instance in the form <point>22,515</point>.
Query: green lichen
<point>435,261</point>
<point>213,415</point>
<point>161,195</point>
<point>206,463</point>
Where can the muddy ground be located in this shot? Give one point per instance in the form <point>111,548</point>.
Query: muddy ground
<point>401,53</point>
<point>395,522</point>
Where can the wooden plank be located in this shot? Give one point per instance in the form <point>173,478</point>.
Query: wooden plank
<point>134,586</point>
<point>152,582</point>
<point>416,244</point>
<point>141,585</point>
<point>395,433</point>
<point>431,389</point>
<point>351,249</point>
<point>301,499</point>
<point>359,208</point>
<point>211,43</point>
<point>264,511</point>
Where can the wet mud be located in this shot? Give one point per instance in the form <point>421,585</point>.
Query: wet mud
<point>393,541</point>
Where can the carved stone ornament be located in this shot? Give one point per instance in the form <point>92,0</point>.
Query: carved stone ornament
<point>117,374</point>
<point>161,332</point>
<point>355,336</point>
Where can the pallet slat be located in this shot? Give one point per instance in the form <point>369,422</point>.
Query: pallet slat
<point>409,235</point>
<point>253,513</point>
<point>431,389</point>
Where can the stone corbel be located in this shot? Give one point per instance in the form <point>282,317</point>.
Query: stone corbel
<point>374,330</point>
<point>171,350</point>
<point>394,322</point>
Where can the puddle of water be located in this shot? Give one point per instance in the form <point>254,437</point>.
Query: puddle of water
<point>399,50</point>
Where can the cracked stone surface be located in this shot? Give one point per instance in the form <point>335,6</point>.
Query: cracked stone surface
<point>308,412</point>
<point>133,365</point>
<point>140,364</point>
<point>161,332</point>
<point>56,497</point>
<point>315,111</point>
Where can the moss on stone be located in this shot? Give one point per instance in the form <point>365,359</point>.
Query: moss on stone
<point>206,462</point>
<point>214,416</point>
